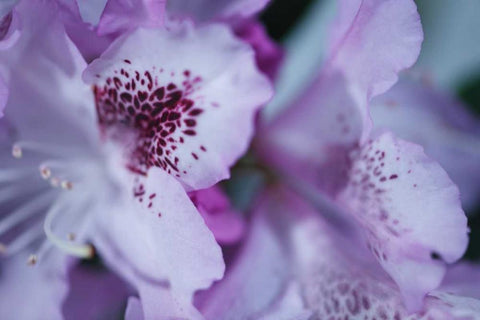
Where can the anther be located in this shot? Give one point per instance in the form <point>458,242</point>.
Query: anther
<point>32,260</point>
<point>17,152</point>
<point>67,185</point>
<point>45,172</point>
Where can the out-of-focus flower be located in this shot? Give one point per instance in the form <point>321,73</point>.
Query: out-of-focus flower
<point>383,183</point>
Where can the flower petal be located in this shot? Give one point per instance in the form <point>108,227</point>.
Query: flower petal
<point>192,104</point>
<point>257,279</point>
<point>123,15</point>
<point>134,309</point>
<point>43,286</point>
<point>94,293</point>
<point>410,210</point>
<point>372,41</point>
<point>449,134</point>
<point>151,230</point>
<point>3,95</point>
<point>225,223</point>
<point>312,138</point>
<point>338,280</point>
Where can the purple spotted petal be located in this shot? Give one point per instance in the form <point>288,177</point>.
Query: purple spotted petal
<point>158,224</point>
<point>449,134</point>
<point>411,211</point>
<point>339,280</point>
<point>371,42</point>
<point>191,105</point>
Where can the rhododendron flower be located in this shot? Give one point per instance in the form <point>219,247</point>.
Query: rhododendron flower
<point>128,187</point>
<point>149,124</point>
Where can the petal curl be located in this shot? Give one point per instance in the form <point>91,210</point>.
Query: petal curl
<point>371,42</point>
<point>195,90</point>
<point>442,125</point>
<point>411,211</point>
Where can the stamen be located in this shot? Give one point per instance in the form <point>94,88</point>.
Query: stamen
<point>32,260</point>
<point>45,172</point>
<point>58,150</point>
<point>67,185</point>
<point>3,248</point>
<point>21,242</point>
<point>25,211</point>
<point>11,192</point>
<point>17,152</point>
<point>81,251</point>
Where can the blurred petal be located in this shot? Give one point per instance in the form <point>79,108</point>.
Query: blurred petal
<point>30,291</point>
<point>268,54</point>
<point>192,105</point>
<point>94,293</point>
<point>256,280</point>
<point>312,139</point>
<point>411,211</point>
<point>134,309</point>
<point>3,95</point>
<point>462,279</point>
<point>124,15</point>
<point>225,223</point>
<point>371,42</point>
<point>339,282</point>
<point>439,123</point>
<point>159,236</point>
<point>159,302</point>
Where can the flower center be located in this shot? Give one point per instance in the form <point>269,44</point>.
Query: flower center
<point>162,115</point>
<point>26,199</point>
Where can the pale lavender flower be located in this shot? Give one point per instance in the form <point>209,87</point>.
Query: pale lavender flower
<point>110,161</point>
